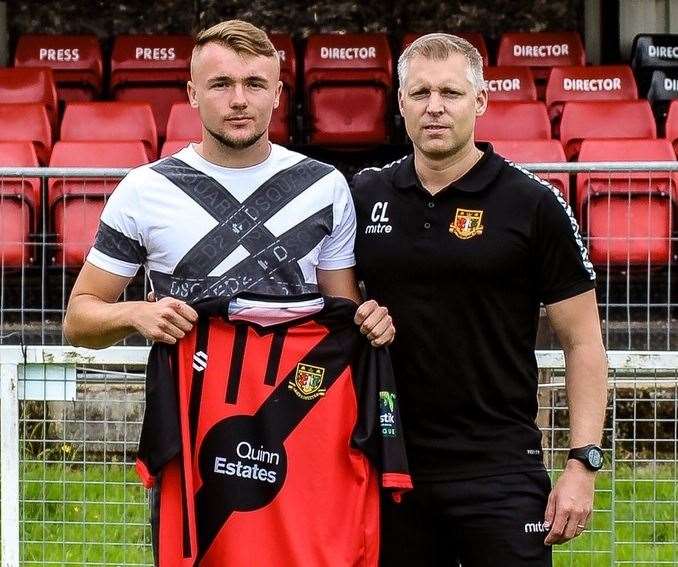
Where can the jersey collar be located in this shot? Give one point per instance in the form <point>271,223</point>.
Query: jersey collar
<point>476,179</point>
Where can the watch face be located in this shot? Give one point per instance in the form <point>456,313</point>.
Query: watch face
<point>595,458</point>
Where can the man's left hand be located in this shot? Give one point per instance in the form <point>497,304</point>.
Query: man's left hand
<point>570,503</point>
<point>375,323</point>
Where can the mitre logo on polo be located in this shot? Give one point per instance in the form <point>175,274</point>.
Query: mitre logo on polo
<point>467,223</point>
<point>558,50</point>
<point>592,85</point>
<point>64,55</point>
<point>307,382</point>
<point>348,53</point>
<point>502,85</point>
<point>380,219</point>
<point>535,527</point>
<point>663,52</point>
<point>155,53</point>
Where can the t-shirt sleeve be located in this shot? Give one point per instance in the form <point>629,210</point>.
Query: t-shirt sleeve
<point>160,439</point>
<point>563,268</point>
<point>378,431</point>
<point>337,249</point>
<point>118,246</point>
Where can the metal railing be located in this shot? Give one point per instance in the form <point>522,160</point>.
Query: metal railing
<point>634,249</point>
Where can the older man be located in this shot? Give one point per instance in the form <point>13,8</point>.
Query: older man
<point>463,247</point>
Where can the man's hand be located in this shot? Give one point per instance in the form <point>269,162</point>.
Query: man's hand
<point>570,503</point>
<point>164,321</point>
<point>376,323</point>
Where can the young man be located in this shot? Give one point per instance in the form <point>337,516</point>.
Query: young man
<point>462,247</point>
<point>233,213</point>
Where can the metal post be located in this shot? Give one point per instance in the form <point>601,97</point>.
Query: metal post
<point>9,464</point>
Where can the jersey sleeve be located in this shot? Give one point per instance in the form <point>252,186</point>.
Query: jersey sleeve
<point>337,249</point>
<point>118,247</point>
<point>160,439</point>
<point>378,432</point>
<point>563,268</point>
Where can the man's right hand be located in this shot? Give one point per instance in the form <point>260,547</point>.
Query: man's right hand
<point>163,321</point>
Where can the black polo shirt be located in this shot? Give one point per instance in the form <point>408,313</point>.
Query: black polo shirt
<point>463,274</point>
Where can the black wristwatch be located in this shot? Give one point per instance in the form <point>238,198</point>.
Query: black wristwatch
<point>590,455</point>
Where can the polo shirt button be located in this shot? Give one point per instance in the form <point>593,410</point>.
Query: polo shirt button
<point>431,204</point>
<point>427,225</point>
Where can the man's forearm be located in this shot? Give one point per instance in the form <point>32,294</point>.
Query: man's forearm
<point>586,382</point>
<point>94,323</point>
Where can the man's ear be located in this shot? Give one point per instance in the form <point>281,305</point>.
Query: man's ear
<point>481,102</point>
<point>192,94</point>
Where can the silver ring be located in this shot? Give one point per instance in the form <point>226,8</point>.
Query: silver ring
<point>581,527</point>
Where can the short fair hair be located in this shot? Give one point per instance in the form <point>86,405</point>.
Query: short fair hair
<point>239,36</point>
<point>440,46</point>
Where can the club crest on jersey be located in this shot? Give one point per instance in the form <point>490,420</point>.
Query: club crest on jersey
<point>307,381</point>
<point>467,223</point>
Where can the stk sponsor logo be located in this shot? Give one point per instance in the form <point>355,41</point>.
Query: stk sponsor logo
<point>380,220</point>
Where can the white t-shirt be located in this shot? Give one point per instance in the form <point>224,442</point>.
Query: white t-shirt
<point>203,230</point>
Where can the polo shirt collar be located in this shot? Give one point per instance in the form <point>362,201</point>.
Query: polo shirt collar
<point>475,179</point>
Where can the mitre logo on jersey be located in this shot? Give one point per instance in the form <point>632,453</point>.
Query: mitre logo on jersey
<point>387,405</point>
<point>467,223</point>
<point>307,382</point>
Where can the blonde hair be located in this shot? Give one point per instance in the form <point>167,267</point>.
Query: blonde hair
<point>440,46</point>
<point>242,37</point>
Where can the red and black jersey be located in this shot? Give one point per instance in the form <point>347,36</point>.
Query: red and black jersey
<point>273,424</point>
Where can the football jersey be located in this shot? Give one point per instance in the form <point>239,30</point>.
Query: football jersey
<point>203,230</point>
<point>274,424</point>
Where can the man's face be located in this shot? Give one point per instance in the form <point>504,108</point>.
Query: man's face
<point>440,105</point>
<point>235,95</point>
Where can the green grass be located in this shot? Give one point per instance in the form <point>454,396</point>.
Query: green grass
<point>97,515</point>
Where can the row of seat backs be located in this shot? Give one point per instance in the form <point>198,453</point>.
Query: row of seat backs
<point>163,58</point>
<point>626,216</point>
<point>124,121</point>
<point>82,121</point>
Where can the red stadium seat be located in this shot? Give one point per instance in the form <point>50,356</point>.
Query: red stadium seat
<point>75,204</point>
<point>348,81</point>
<point>476,39</point>
<point>280,131</point>
<point>537,151</point>
<point>19,205</point>
<point>173,146</point>
<point>613,119</point>
<point>27,123</point>
<point>151,68</point>
<point>541,51</point>
<point>627,216</point>
<point>30,85</point>
<point>75,61</point>
<point>601,82</point>
<point>514,121</point>
<point>184,123</point>
<point>510,83</point>
<point>110,122</point>
<point>672,125</point>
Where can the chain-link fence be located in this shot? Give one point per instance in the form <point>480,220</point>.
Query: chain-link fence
<point>70,422</point>
<point>70,419</point>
